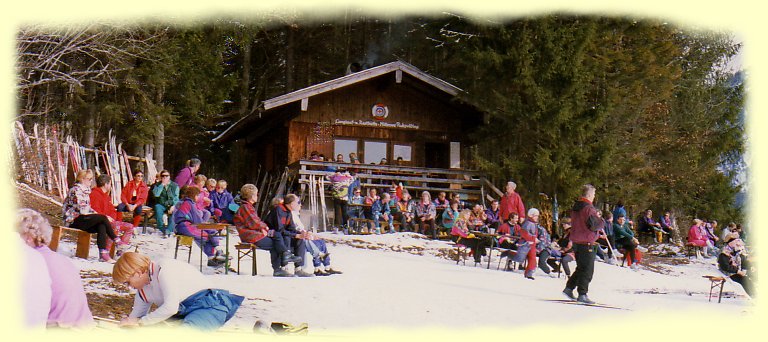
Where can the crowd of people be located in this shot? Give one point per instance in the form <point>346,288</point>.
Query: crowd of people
<point>180,205</point>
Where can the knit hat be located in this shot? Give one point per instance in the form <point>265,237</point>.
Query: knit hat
<point>533,212</point>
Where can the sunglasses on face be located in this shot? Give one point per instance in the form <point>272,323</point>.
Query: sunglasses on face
<point>165,175</point>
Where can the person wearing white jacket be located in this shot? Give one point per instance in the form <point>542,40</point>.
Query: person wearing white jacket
<point>177,289</point>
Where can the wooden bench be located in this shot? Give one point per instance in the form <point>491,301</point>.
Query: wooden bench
<point>247,250</point>
<point>692,250</point>
<point>715,282</point>
<point>146,212</point>
<point>83,241</point>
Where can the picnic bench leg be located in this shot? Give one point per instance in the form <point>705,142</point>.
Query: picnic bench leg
<point>83,244</point>
<point>55,237</point>
<point>254,270</point>
<point>720,296</point>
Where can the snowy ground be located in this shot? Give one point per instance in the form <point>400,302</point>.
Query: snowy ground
<point>402,281</point>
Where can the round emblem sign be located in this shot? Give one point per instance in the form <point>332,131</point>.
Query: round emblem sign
<point>379,111</point>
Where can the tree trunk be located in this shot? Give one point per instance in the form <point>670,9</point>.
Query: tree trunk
<point>159,134</point>
<point>246,78</point>
<point>159,144</point>
<point>289,60</point>
<point>90,121</point>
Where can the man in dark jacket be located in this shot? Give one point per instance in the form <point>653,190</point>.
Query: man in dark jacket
<point>587,226</point>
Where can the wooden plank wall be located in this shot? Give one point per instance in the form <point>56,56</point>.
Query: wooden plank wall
<point>438,121</point>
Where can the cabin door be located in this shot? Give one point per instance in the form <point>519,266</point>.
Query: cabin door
<point>437,155</point>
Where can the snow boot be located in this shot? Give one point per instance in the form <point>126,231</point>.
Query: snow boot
<point>281,273</point>
<point>289,258</point>
<point>301,273</point>
<point>569,293</point>
<point>104,256</point>
<point>321,273</point>
<point>584,299</point>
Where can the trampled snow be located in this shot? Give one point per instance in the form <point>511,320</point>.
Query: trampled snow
<point>387,284</point>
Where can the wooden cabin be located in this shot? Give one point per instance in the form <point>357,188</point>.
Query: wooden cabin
<point>385,112</point>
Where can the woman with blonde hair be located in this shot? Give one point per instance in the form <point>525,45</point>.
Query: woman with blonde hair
<point>79,214</point>
<point>177,289</point>
<point>69,305</point>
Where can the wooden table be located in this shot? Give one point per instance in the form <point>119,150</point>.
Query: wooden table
<point>221,229</point>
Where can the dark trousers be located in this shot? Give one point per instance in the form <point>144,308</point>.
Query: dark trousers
<point>745,282</point>
<point>543,261</point>
<point>405,226</point>
<point>276,246</point>
<point>564,263</point>
<point>585,268</point>
<point>299,248</point>
<point>340,215</point>
<point>477,245</point>
<point>630,247</point>
<point>95,223</point>
<point>420,229</point>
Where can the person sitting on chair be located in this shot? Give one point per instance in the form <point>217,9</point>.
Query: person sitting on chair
<point>186,217</point>
<point>253,230</point>
<point>220,201</point>
<point>101,202</point>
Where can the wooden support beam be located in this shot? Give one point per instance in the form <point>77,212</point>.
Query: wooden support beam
<point>304,104</point>
<point>398,76</point>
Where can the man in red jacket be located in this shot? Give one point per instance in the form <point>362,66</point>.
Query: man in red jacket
<point>101,202</point>
<point>586,230</point>
<point>133,197</point>
<point>511,202</point>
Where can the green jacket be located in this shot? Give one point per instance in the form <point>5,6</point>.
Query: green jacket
<point>622,231</point>
<point>166,195</point>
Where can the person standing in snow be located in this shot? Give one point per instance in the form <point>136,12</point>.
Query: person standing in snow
<point>584,234</point>
<point>177,289</point>
<point>187,175</point>
<point>511,201</point>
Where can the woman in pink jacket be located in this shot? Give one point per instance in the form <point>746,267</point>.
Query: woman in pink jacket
<point>697,237</point>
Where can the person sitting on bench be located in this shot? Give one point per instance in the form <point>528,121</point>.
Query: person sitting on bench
<point>254,231</point>
<point>732,261</point>
<point>101,202</point>
<point>625,238</point>
<point>460,234</point>
<point>133,198</point>
<point>697,237</point>
<point>79,214</point>
<point>178,291</point>
<point>380,212</point>
<point>186,216</point>
<point>280,220</point>
<point>425,214</point>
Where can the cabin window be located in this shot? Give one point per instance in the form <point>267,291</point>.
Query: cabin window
<point>374,151</point>
<point>401,151</point>
<point>344,147</point>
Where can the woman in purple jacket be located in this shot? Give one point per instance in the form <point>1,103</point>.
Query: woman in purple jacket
<point>69,305</point>
<point>187,175</point>
<point>187,216</point>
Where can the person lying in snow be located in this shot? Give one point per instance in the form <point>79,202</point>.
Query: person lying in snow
<point>177,289</point>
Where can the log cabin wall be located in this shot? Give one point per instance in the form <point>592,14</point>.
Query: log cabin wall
<point>409,103</point>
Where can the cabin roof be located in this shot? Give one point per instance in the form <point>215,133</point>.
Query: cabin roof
<point>353,78</point>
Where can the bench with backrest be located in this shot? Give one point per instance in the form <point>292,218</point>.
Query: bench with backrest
<point>83,241</point>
